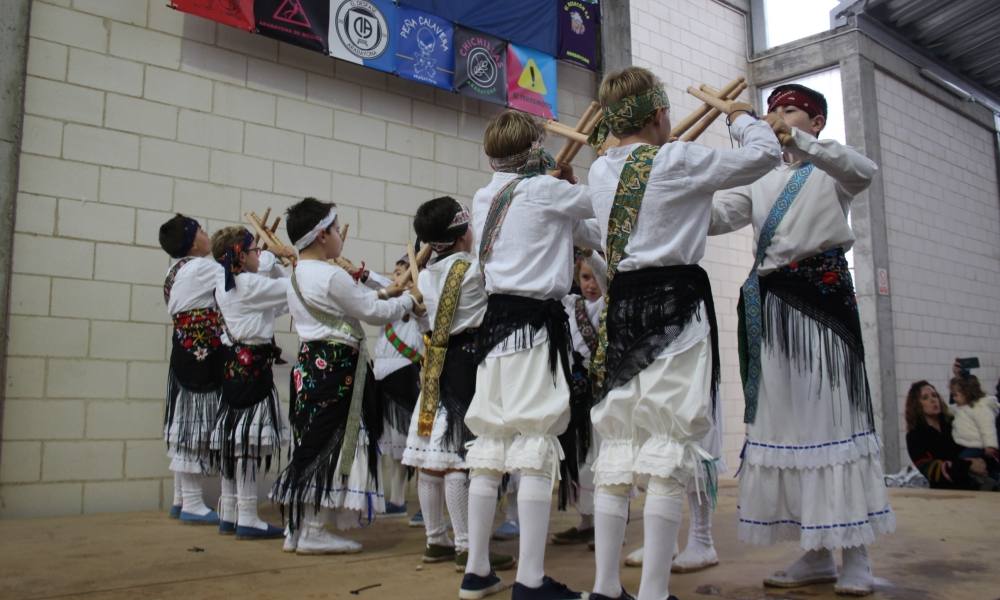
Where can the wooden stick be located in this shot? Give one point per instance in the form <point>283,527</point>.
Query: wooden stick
<point>566,131</point>
<point>575,147</point>
<point>343,232</point>
<point>265,233</point>
<point>719,106</point>
<point>414,272</point>
<point>570,148</point>
<point>689,121</point>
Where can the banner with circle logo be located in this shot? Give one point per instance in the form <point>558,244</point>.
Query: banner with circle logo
<point>362,32</point>
<point>299,22</point>
<point>531,81</point>
<point>424,48</point>
<point>480,66</point>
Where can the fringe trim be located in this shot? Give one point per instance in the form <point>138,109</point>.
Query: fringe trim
<point>189,419</point>
<point>801,337</point>
<point>293,486</point>
<point>235,427</point>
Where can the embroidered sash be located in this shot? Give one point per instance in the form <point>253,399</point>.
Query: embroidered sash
<point>168,283</point>
<point>750,353</point>
<point>397,342</point>
<point>438,347</point>
<point>494,220</point>
<point>621,222</point>
<point>350,444</point>
<point>583,324</point>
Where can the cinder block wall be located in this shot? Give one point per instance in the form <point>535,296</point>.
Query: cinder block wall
<point>134,111</point>
<point>943,224</point>
<point>687,42</point>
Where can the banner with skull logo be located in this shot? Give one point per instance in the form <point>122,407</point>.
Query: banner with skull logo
<point>424,48</point>
<point>480,66</point>
<point>362,32</point>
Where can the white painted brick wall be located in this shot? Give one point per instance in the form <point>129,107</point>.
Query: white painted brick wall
<point>687,42</point>
<point>943,226</point>
<point>134,111</point>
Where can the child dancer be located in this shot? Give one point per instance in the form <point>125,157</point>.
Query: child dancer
<point>249,428</point>
<point>656,365</point>
<point>811,469</point>
<point>524,221</point>
<point>455,299</point>
<point>333,473</point>
<point>195,377</point>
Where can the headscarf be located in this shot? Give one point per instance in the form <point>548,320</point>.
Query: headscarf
<point>303,242</point>
<point>533,161</point>
<point>799,96</point>
<point>230,260</point>
<point>631,112</point>
<point>460,222</point>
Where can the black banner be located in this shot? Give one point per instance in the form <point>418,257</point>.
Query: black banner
<point>480,66</point>
<point>300,22</point>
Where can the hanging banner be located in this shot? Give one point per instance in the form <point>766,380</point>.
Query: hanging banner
<point>578,21</point>
<point>424,48</point>
<point>299,22</point>
<point>235,13</point>
<point>361,32</point>
<point>480,66</point>
<point>531,81</point>
<point>529,23</point>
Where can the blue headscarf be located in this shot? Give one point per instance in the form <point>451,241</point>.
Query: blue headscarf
<point>230,259</point>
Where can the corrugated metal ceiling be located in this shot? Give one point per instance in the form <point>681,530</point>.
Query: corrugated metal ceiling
<point>963,33</point>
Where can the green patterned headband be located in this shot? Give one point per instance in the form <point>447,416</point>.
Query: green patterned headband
<point>631,112</point>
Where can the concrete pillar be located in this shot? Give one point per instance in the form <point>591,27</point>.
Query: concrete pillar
<point>14,15</point>
<point>616,36</point>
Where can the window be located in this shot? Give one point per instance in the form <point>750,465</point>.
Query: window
<point>789,20</point>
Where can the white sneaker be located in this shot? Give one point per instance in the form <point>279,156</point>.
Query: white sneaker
<point>291,540</point>
<point>634,558</point>
<point>815,566</point>
<point>694,559</point>
<point>320,541</point>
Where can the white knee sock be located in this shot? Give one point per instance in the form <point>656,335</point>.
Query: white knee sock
<point>178,497</point>
<point>482,506</point>
<point>534,503</point>
<point>700,550</point>
<point>456,495</point>
<point>227,501</point>
<point>191,498</point>
<point>510,499</point>
<point>661,523</point>
<point>430,491</point>
<point>246,498</point>
<point>610,519</point>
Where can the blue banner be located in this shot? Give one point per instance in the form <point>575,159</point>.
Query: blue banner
<point>362,32</point>
<point>529,23</point>
<point>424,48</point>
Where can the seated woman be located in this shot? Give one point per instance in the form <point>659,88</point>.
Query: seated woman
<point>933,449</point>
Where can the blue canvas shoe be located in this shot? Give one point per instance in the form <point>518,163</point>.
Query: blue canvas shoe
<point>549,590</point>
<point>508,530</point>
<point>253,533</point>
<point>394,510</point>
<point>209,518</point>
<point>417,520</point>
<point>175,511</point>
<point>227,527</point>
<point>475,586</point>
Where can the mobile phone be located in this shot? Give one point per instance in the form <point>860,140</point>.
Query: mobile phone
<point>968,363</point>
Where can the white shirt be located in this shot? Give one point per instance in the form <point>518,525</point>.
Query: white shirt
<point>594,307</point>
<point>975,425</point>
<point>533,254</point>
<point>385,358</point>
<point>676,208</point>
<point>332,290</point>
<point>249,309</point>
<point>817,220</point>
<point>194,285</point>
<point>471,300</point>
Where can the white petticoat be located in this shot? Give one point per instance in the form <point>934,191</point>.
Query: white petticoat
<point>431,452</point>
<point>392,443</point>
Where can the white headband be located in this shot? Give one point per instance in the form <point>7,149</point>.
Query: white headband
<point>310,237</point>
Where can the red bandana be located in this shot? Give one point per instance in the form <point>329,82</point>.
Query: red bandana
<point>796,98</point>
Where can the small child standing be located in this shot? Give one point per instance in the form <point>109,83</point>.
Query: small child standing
<point>396,366</point>
<point>249,428</point>
<point>975,424</point>
<point>333,475</point>
<point>195,378</point>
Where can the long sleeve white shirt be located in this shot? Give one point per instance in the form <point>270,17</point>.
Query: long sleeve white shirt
<point>250,308</point>
<point>194,285</point>
<point>471,301</point>
<point>975,425</point>
<point>676,208</point>
<point>818,218</point>
<point>332,290</point>
<point>533,254</point>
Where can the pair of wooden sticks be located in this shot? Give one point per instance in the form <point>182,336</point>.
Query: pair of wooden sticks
<point>268,233</point>
<point>687,130</point>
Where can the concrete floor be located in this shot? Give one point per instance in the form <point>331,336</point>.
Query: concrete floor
<point>945,548</point>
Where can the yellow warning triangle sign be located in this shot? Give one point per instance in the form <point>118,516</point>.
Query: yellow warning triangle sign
<point>531,78</point>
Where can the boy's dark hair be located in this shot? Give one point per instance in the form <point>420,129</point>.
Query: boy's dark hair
<point>433,220</point>
<point>795,87</point>
<point>302,216</point>
<point>174,236</point>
